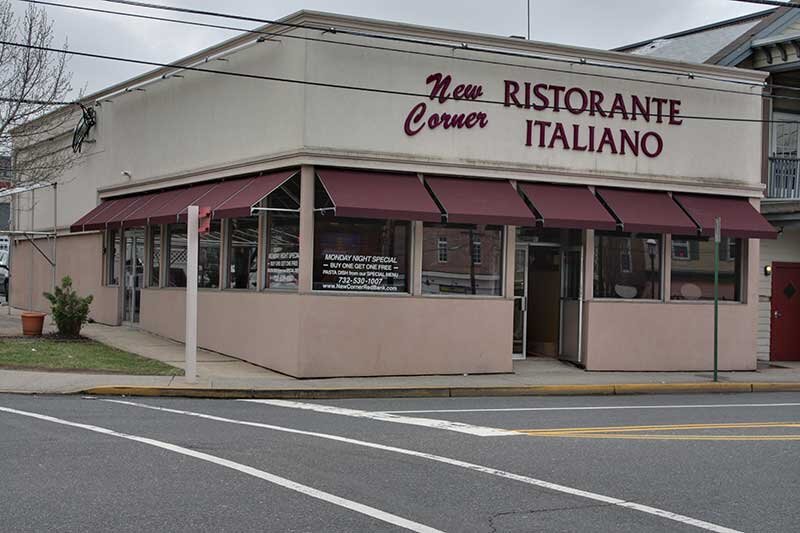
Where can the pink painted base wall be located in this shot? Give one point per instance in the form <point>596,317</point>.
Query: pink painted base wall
<point>312,335</point>
<point>77,256</point>
<point>667,336</point>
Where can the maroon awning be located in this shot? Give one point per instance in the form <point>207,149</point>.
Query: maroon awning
<point>364,194</point>
<point>168,212</point>
<point>141,216</point>
<point>567,206</point>
<point>232,198</point>
<point>112,212</point>
<point>647,212</point>
<point>738,218</point>
<point>241,203</point>
<point>476,201</point>
<point>79,224</point>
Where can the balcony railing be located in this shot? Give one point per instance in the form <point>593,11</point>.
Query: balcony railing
<point>784,177</point>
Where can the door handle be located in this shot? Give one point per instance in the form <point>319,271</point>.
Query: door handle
<point>777,314</point>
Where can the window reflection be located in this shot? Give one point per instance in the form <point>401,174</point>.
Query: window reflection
<point>627,266</point>
<point>692,264</point>
<point>462,259</point>
<point>243,253</point>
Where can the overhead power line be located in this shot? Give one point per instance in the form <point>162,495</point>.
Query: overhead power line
<point>455,46</point>
<point>408,40</point>
<point>775,3</point>
<point>398,50</point>
<point>328,85</point>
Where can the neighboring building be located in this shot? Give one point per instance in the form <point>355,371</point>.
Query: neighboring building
<point>5,203</point>
<point>418,207</point>
<point>768,41</point>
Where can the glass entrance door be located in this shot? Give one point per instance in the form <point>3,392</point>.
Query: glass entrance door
<point>133,275</point>
<point>571,303</point>
<point>520,301</point>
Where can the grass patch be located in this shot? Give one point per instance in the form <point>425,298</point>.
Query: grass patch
<point>77,355</point>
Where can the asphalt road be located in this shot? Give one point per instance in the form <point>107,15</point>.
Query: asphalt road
<point>647,463</point>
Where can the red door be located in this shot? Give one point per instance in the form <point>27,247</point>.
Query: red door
<point>785,316</point>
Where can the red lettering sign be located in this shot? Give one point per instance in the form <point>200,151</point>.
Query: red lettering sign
<point>543,97</point>
<point>419,118</point>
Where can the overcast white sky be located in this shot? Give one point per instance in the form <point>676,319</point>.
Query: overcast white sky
<point>592,23</point>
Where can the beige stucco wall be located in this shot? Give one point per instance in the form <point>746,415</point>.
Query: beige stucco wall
<point>314,335</point>
<point>667,336</point>
<point>257,327</point>
<point>77,256</point>
<point>371,125</point>
<point>413,335</point>
<point>183,129</point>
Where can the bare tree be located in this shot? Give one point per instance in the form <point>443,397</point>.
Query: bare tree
<point>34,130</point>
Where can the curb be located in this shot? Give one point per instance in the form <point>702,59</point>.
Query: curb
<point>447,392</point>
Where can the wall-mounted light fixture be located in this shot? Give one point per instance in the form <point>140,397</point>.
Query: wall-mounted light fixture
<point>768,270</point>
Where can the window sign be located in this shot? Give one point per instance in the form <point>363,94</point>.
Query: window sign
<point>361,255</point>
<point>283,256</point>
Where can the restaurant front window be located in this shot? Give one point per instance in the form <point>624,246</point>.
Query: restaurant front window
<point>243,253</point>
<point>176,264</point>
<point>113,251</point>
<point>283,250</point>
<point>208,256</point>
<point>473,259</point>
<point>155,256</point>
<point>692,276</point>
<point>359,255</point>
<point>627,266</point>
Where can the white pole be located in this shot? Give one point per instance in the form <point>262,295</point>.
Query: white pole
<point>55,233</point>
<point>191,295</point>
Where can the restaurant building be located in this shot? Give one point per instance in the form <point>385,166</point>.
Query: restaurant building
<point>427,202</point>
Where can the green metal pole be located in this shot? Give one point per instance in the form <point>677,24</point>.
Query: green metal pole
<point>717,238</point>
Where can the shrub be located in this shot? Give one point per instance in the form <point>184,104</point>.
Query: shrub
<point>69,310</point>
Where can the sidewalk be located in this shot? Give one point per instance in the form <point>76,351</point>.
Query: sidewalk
<point>222,376</point>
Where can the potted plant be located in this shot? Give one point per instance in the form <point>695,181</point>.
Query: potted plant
<point>32,323</point>
<point>69,310</point>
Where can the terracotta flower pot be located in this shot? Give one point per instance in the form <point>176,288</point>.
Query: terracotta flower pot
<point>32,323</point>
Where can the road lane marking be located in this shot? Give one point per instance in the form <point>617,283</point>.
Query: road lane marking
<point>731,438</point>
<point>593,408</point>
<point>458,427</point>
<point>266,476</point>
<point>708,526</point>
<point>661,427</point>
<point>636,432</point>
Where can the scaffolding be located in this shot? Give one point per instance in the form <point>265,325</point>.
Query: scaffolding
<point>31,236</point>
